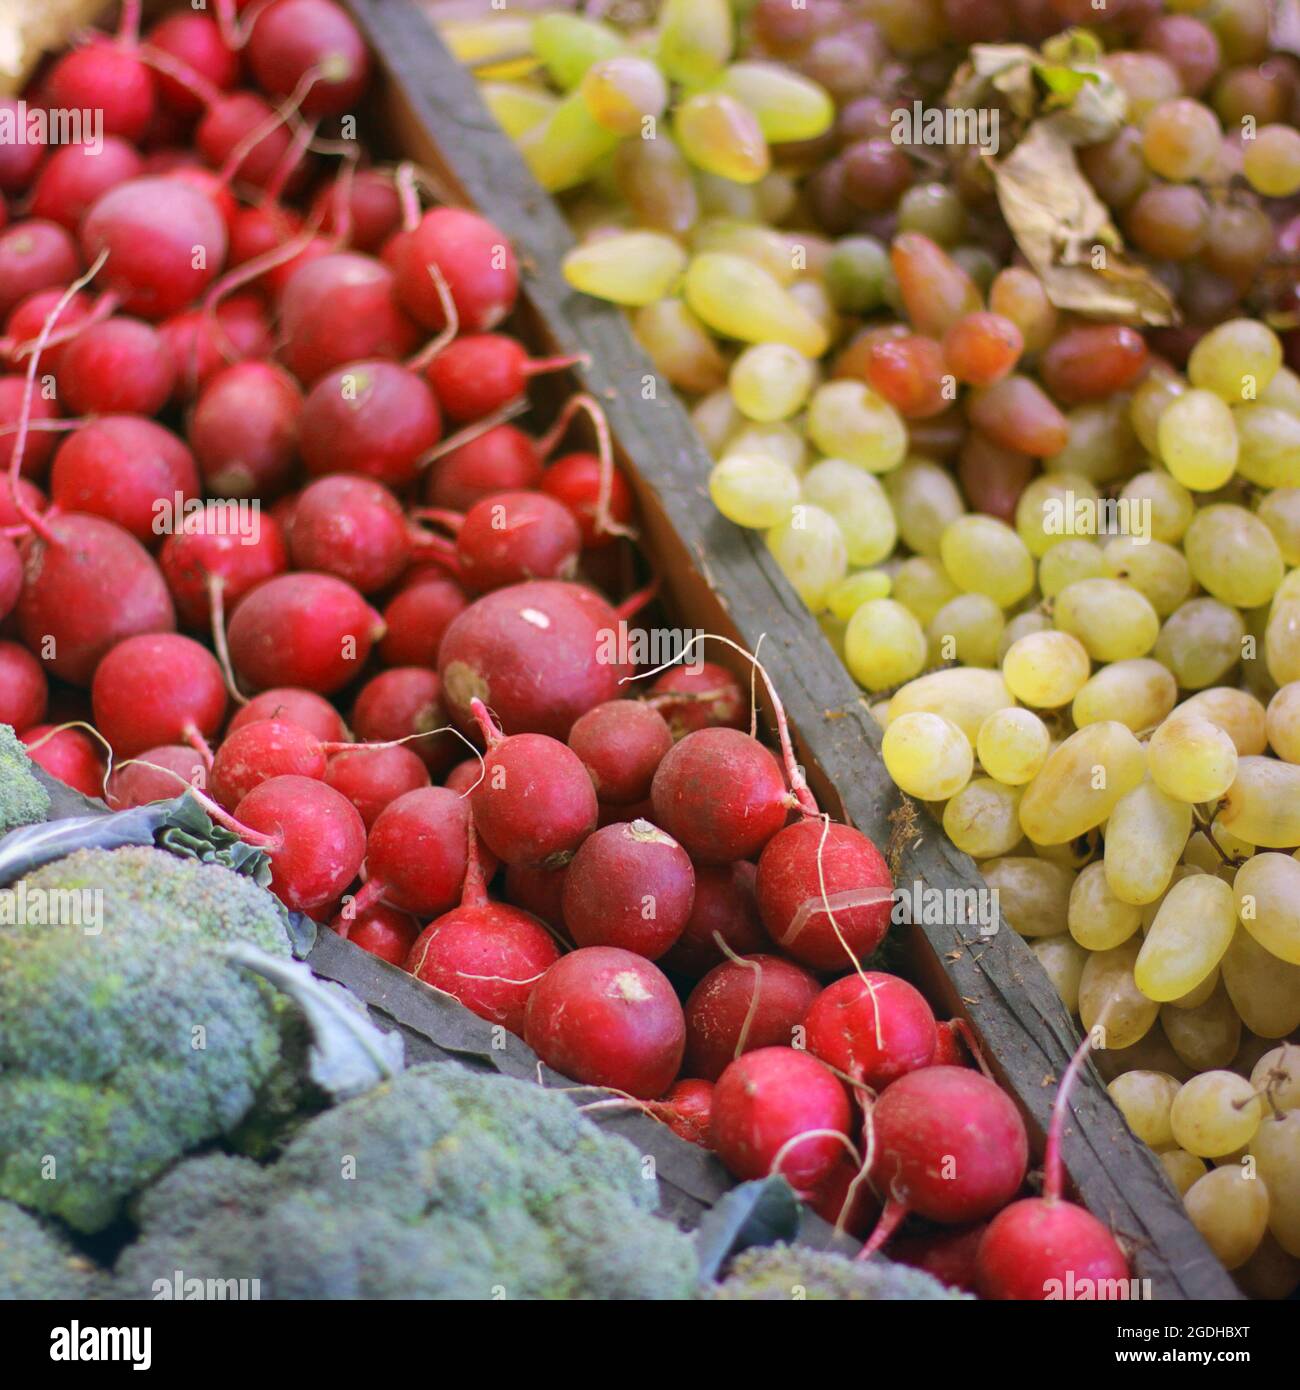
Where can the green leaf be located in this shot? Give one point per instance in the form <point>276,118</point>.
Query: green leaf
<point>25,850</point>
<point>753,1213</point>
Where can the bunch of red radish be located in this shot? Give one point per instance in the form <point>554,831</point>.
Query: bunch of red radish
<point>312,340</point>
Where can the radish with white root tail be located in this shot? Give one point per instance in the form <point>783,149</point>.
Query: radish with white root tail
<point>872,1027</point>
<point>746,1003</point>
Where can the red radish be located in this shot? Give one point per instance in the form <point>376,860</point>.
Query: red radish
<point>127,469</point>
<point>844,1198</point>
<point>339,309</point>
<point>404,701</point>
<point>27,318</point>
<point>686,1109</point>
<point>11,576</point>
<point>372,210</point>
<point>120,366</point>
<point>202,344</point>
<point>67,754</point>
<point>351,527</point>
<point>950,1048</point>
<point>256,230</point>
<point>742,1005</point>
<point>31,501</point>
<point>308,630</point>
<point>157,688</point>
<point>244,430</point>
<point>256,752</point>
<point>40,445</point>
<point>512,537</point>
<point>157,774</point>
<point>322,841</point>
<point>477,261</point>
<point>725,906</point>
<point>825,893</point>
<point>385,932</point>
<point>1045,1247</point>
<point>621,743</point>
<point>948,1255</point>
<point>294,40</point>
<point>485,954</point>
<point>237,135</point>
<point>780,1111</point>
<point>24,691</point>
<point>478,374</point>
<point>375,418</point>
<point>504,459</point>
<point>195,41</point>
<point>539,891</point>
<point>166,242</point>
<point>607,1017</point>
<point>291,706</point>
<point>372,778</point>
<point>416,854</point>
<point>226,544</point>
<point>212,186</point>
<point>949,1145</point>
<point>464,776</point>
<point>19,160</point>
<point>34,255</point>
<point>108,77</point>
<point>535,804</point>
<point>75,176</point>
<point>416,619</point>
<point>701,696</point>
<point>872,1027</point>
<point>576,480</point>
<point>629,885</point>
<point>278,276</point>
<point>86,589</point>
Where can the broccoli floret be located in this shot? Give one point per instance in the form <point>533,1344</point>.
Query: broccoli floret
<point>442,1183</point>
<point>37,1262</point>
<point>126,1037</point>
<point>23,801</point>
<point>778,1273</point>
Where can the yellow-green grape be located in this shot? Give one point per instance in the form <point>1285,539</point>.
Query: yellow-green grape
<point>1198,441</point>
<point>922,585</point>
<point>1054,506</point>
<point>1160,502</point>
<point>927,755</point>
<point>1200,642</point>
<point>763,245</point>
<point>968,629</point>
<point>1145,1099</point>
<point>518,107</point>
<point>753,491</point>
<point>1207,1036</point>
<point>1183,1168</point>
<point>1283,391</point>
<point>1099,921</point>
<point>1109,997</point>
<point>780,440</point>
<point>809,548</point>
<point>1046,669</point>
<point>1271,161</point>
<point>1262,806</point>
<point>1264,990</point>
<point>1155,569</point>
<point>1279,510</point>
<point>981,819</point>
<point>657,183</point>
<point>965,695</point>
<point>1033,894</point>
<point>1283,722</point>
<point>1191,759</point>
<point>627,268</point>
<point>716,419</point>
<point>856,589</point>
<point>814,298</point>
<point>1139,693</point>
<point>1198,994</point>
<point>771,381</point>
<point>848,420</point>
<point>985,556</point>
<point>1074,854</point>
<point>1188,938</point>
<point>1067,563</point>
<point>859,505</point>
<point>1268,900</point>
<point>1270,1273</point>
<point>1233,556</point>
<point>1032,620</point>
<point>722,137</point>
<point>1238,713</point>
<point>1180,139</point>
<point>563,150</point>
<point>1277,1076</point>
<point>696,38</point>
<point>680,347</point>
<point>788,106</point>
<point>1063,959</point>
<point>1148,403</point>
<point>1276,1147</point>
<point>857,271</point>
<point>1282,634</point>
<point>1215,1113</point>
<point>1230,1210</point>
<point>884,646</point>
<point>1081,782</point>
<point>926,501</point>
<point>1013,745</point>
<point>568,45</point>
<point>1236,360</point>
<point>1269,445</point>
<point>1113,620</point>
<point>739,299</point>
<point>1102,445</point>
<point>625,94</point>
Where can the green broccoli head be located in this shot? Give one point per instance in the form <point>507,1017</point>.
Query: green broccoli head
<point>443,1183</point>
<point>126,1037</point>
<point>37,1262</point>
<point>778,1273</point>
<point>23,801</point>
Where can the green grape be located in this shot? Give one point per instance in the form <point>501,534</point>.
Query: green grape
<point>1283,391</point>
<point>856,589</point>
<point>1238,713</point>
<point>722,137</point>
<point>1279,510</point>
<point>1264,990</point>
<point>771,381</point>
<point>1046,669</point>
<point>716,419</point>
<point>935,210</point>
<point>1206,1037</point>
<point>1150,397</point>
<point>965,695</point>
<point>1074,854</point>
<point>927,755</point>
<point>1230,1210</point>
<point>753,491</point>
<point>631,268</point>
<point>1031,620</point>
<point>1268,896</point>
<point>780,440</point>
<point>884,645</point>
<point>1276,1147</point>
<point>1198,441</point>
<point>1180,139</point>
<point>1237,360</point>
<point>1145,1099</point>
<point>1099,921</point>
<point>1282,635</point>
<point>978,263</point>
<point>1155,569</point>
<point>1277,1076</point>
<point>1233,555</point>
<point>653,178</point>
<point>1109,997</point>
<point>1269,441</point>
<point>625,94</point>
<point>814,298</point>
<point>1062,959</point>
<point>1192,759</point>
<point>926,501</point>
<point>1190,934</point>
<point>696,38</point>
<point>1054,506</point>
<point>1271,161</point>
<point>679,346</point>
<point>858,503</point>
<point>564,150</point>
<point>1102,445</point>
<point>1200,642</point>
<point>568,45</point>
<point>788,106</point>
<point>1013,745</point>
<point>518,107</point>
<point>1283,723</point>
<point>1033,894</point>
<point>1080,783</point>
<point>762,245</point>
<point>1199,995</point>
<point>968,629</point>
<point>1139,693</point>
<point>719,197</point>
<point>809,548</point>
<point>1113,620</point>
<point>1217,1112</point>
<point>1183,1168</point>
<point>922,585</point>
<point>848,420</point>
<point>856,274</point>
<point>985,556</point>
<point>739,299</point>
<point>1164,500</point>
<point>981,820</point>
<point>1144,841</point>
<point>1067,563</point>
